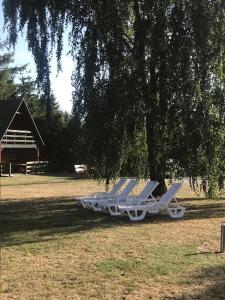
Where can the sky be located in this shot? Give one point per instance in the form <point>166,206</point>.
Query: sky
<point>61,83</point>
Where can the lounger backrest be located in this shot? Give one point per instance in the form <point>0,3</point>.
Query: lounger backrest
<point>169,195</point>
<point>148,189</point>
<point>128,189</point>
<point>117,186</point>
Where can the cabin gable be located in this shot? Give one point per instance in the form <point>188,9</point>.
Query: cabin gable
<point>20,139</point>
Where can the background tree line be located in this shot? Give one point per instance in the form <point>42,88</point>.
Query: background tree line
<point>149,82</point>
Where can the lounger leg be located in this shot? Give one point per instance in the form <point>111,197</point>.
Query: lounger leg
<point>86,204</point>
<point>83,203</point>
<point>104,208</point>
<point>137,213</point>
<point>153,210</point>
<point>113,210</point>
<point>96,206</point>
<point>176,212</point>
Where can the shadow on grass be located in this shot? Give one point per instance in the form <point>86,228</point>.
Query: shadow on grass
<point>210,282</point>
<point>51,217</point>
<point>23,222</point>
<point>202,211</point>
<point>193,199</point>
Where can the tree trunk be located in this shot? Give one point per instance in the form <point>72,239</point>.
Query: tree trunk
<point>155,167</point>
<point>149,94</point>
<point>107,182</point>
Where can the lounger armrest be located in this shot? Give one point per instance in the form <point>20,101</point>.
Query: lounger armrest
<point>148,201</point>
<point>130,199</point>
<point>117,199</point>
<point>112,198</point>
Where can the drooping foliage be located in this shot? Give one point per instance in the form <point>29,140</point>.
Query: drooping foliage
<point>149,82</point>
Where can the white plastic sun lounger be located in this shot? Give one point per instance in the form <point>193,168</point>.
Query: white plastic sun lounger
<point>101,205</point>
<point>166,203</point>
<point>115,191</point>
<point>145,196</point>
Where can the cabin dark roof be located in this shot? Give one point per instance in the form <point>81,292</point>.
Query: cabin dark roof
<point>8,109</point>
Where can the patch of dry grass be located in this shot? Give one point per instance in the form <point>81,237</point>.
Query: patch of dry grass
<point>53,249</point>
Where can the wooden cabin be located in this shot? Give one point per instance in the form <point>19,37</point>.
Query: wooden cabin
<point>20,140</point>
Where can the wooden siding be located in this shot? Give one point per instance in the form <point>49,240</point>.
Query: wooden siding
<point>18,138</point>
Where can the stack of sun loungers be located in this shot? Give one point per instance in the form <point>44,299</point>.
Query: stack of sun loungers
<point>120,202</point>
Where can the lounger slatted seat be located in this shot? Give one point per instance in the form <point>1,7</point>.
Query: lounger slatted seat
<point>99,205</point>
<point>85,201</point>
<point>145,196</point>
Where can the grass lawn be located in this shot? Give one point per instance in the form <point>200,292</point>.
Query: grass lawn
<point>53,249</point>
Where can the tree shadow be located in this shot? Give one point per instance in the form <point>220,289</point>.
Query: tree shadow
<point>52,217</point>
<point>193,199</point>
<point>203,211</point>
<point>210,283</point>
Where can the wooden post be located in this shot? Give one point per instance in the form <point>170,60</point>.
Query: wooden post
<point>0,171</point>
<point>222,245</point>
<point>38,154</point>
<point>10,168</point>
<point>0,159</point>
